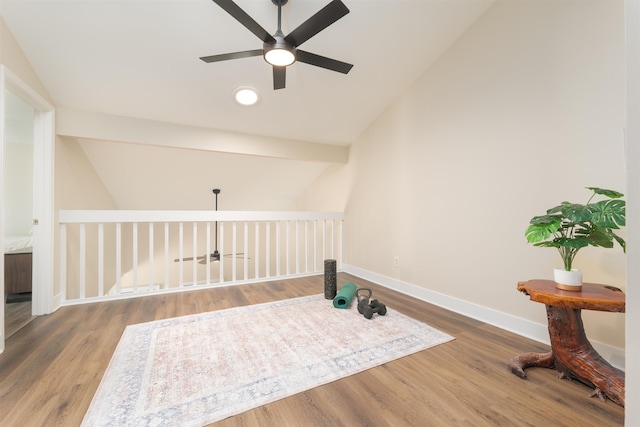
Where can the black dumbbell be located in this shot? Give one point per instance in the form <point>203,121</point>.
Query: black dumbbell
<point>374,307</point>
<point>369,308</point>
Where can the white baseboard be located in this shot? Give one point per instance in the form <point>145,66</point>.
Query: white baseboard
<point>518,325</point>
<point>57,302</point>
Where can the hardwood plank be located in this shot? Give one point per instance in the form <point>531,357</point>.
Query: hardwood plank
<point>52,367</point>
<point>16,316</point>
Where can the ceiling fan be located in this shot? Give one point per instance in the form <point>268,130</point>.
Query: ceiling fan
<point>215,256</point>
<point>280,50</point>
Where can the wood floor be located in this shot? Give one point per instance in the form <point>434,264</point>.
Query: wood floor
<point>52,367</point>
<point>16,316</point>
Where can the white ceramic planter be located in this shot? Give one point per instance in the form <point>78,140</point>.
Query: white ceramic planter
<point>568,280</point>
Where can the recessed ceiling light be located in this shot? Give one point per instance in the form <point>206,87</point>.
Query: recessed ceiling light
<point>246,95</point>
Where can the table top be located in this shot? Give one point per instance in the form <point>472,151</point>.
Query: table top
<point>592,297</point>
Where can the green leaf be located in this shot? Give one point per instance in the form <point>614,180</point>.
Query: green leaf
<point>620,241</point>
<point>546,219</point>
<point>547,244</point>
<point>609,213</point>
<point>607,193</point>
<point>600,238</point>
<point>582,230</point>
<point>575,243</point>
<point>558,210</point>
<point>541,231</point>
<point>576,213</point>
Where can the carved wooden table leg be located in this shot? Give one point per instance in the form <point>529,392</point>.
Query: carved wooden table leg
<point>576,358</point>
<point>573,356</point>
<point>538,360</point>
<point>571,352</point>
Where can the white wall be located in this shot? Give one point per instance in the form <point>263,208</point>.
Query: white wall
<point>142,176</point>
<point>522,113</point>
<point>18,196</point>
<point>18,166</point>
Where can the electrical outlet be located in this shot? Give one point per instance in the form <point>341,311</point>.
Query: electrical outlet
<point>396,262</point>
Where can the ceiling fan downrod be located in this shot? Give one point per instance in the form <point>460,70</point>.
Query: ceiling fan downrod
<point>279,3</point>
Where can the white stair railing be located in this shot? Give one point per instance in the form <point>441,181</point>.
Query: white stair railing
<point>119,254</point>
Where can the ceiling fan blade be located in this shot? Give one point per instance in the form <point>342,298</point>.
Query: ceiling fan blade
<point>318,22</point>
<point>237,255</point>
<point>190,258</point>
<point>234,55</point>
<point>242,17</point>
<point>279,77</point>
<point>324,62</point>
<point>217,259</point>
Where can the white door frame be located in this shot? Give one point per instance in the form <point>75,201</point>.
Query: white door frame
<point>43,169</point>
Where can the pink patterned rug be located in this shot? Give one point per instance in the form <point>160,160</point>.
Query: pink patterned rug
<point>198,369</point>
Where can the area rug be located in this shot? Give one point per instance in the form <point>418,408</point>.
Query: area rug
<point>198,369</point>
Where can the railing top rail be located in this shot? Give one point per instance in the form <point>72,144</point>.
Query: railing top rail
<point>116,216</point>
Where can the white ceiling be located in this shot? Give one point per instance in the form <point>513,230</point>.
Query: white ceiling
<point>139,58</point>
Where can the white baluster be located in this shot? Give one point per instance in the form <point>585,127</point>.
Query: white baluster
<point>195,254</point>
<point>151,287</point>
<point>180,255</point>
<point>246,250</point>
<point>208,254</point>
<point>297,247</point>
<point>63,261</point>
<point>257,251</point>
<point>278,248</point>
<point>233,252</point>
<point>333,234</point>
<point>287,247</point>
<point>83,261</point>
<point>118,257</point>
<point>165,283</point>
<point>324,239</point>
<point>306,246</point>
<point>100,259</point>
<point>220,263</point>
<point>268,250</point>
<point>315,245</point>
<point>135,257</point>
<point>340,244</point>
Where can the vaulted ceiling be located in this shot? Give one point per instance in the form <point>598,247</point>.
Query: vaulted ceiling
<point>112,63</point>
<point>140,59</point>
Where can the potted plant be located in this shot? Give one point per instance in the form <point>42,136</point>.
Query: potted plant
<point>570,227</point>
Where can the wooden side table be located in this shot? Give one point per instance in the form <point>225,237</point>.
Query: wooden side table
<point>571,352</point>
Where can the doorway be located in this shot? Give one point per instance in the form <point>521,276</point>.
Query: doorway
<point>18,212</point>
<point>41,215</point>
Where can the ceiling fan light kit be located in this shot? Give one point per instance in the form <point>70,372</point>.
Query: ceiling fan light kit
<point>281,51</point>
